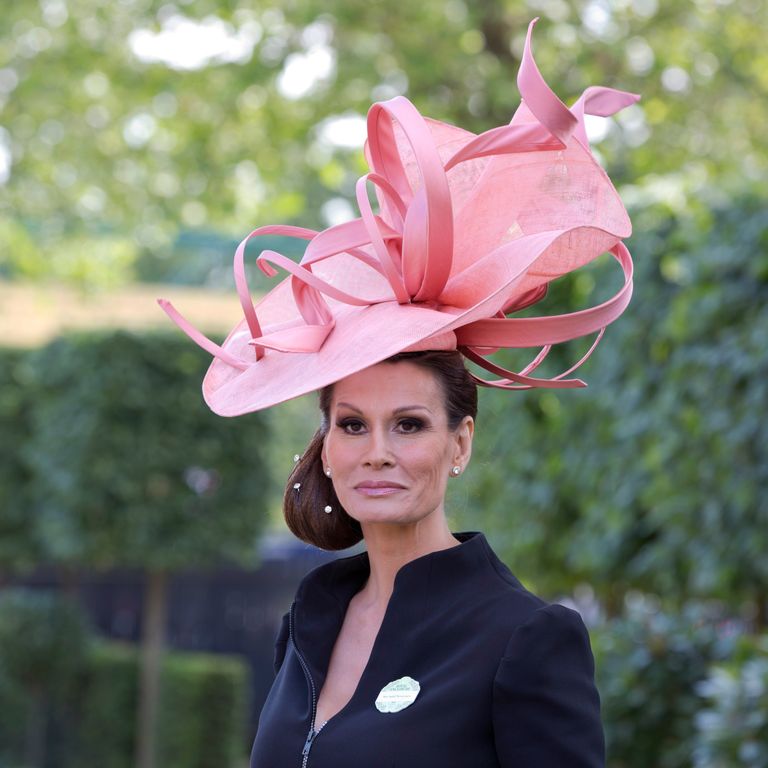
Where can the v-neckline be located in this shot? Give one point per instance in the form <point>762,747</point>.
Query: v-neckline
<point>365,666</point>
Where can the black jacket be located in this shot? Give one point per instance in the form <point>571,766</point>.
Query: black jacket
<point>505,678</point>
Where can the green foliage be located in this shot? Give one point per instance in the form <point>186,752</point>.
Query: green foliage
<point>18,254</point>
<point>648,665</point>
<point>653,477</point>
<point>101,142</point>
<point>701,453</point>
<point>78,697</point>
<point>202,724</point>
<point>732,729</point>
<point>44,644</point>
<point>203,695</point>
<point>107,716</point>
<point>93,262</point>
<point>43,639</point>
<point>13,724</point>
<point>93,689</point>
<point>19,547</point>
<point>122,462</point>
<point>205,258</point>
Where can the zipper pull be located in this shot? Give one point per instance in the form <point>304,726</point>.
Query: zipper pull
<point>308,742</point>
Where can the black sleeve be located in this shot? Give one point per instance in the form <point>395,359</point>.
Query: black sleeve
<point>546,706</point>
<point>280,643</point>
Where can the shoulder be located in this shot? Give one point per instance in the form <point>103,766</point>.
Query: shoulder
<point>546,705</point>
<point>550,649</point>
<point>521,617</point>
<point>549,628</point>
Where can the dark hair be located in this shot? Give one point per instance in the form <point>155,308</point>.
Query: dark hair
<point>303,506</point>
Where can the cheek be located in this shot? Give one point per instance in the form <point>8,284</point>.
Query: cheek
<point>342,454</point>
<point>427,466</point>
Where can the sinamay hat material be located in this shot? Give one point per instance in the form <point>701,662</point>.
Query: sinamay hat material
<point>470,229</point>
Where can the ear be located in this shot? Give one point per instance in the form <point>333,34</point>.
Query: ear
<point>464,434</point>
<point>323,456</point>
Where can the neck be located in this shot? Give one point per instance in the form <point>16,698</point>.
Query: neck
<point>392,545</point>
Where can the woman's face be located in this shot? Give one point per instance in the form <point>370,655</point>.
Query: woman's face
<point>388,445</point>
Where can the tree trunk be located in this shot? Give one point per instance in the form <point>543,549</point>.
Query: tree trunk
<point>152,646</point>
<point>34,741</point>
<point>761,612</point>
<point>69,580</point>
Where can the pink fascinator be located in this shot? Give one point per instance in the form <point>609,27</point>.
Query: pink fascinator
<point>470,229</point>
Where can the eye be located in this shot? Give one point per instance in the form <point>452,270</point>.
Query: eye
<point>410,425</point>
<point>351,426</point>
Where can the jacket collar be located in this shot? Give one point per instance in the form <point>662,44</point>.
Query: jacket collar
<point>341,579</point>
<point>421,585</point>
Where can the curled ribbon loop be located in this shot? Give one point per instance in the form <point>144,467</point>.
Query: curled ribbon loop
<point>388,263</point>
<point>540,98</point>
<point>602,102</point>
<point>427,244</point>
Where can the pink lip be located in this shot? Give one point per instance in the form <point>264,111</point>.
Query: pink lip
<point>378,488</point>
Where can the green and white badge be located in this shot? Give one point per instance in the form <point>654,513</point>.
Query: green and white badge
<point>397,695</point>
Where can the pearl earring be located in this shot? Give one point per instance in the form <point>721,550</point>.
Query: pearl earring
<point>456,471</point>
<point>328,509</point>
<point>327,471</point>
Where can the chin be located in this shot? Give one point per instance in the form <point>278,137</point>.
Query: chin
<point>387,514</point>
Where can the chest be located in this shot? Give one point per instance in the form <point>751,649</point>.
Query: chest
<point>447,724</point>
<point>349,659</point>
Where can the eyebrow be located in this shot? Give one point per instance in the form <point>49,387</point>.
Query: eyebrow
<point>402,408</point>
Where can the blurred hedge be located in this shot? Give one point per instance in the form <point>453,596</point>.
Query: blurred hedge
<point>18,545</point>
<point>69,700</point>
<point>108,707</point>
<point>733,725</point>
<point>681,690</point>
<point>203,710</point>
<point>44,645</point>
<point>203,695</point>
<point>648,665</point>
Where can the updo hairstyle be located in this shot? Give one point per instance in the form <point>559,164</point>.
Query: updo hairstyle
<point>304,506</point>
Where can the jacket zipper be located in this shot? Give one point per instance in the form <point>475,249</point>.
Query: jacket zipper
<point>308,745</point>
<point>312,735</point>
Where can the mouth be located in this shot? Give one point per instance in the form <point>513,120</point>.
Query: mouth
<point>378,488</point>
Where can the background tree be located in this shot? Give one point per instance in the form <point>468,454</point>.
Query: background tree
<point>122,122</point>
<point>132,469</point>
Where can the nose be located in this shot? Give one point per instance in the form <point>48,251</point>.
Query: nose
<point>378,450</point>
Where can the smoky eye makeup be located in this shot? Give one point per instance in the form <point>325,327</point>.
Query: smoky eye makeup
<point>411,424</point>
<point>350,424</point>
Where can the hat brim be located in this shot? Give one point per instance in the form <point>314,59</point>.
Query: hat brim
<point>364,336</point>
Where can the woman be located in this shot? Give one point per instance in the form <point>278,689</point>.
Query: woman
<point>425,650</point>
<point>495,676</point>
